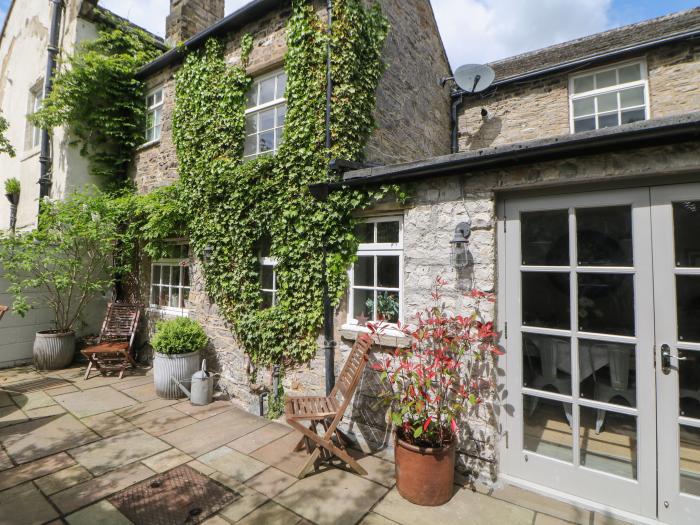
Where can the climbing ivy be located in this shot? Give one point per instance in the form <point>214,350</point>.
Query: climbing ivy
<point>5,146</point>
<point>99,98</point>
<point>237,206</point>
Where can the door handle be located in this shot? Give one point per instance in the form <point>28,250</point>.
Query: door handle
<point>666,359</point>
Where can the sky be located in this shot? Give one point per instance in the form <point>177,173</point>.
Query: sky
<point>474,31</point>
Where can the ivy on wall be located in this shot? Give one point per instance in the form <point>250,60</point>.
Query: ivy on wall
<point>237,206</point>
<point>5,146</point>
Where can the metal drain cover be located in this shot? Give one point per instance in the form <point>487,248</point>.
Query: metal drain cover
<point>179,496</point>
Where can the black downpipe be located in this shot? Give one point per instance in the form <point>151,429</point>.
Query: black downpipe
<point>328,329</point>
<point>45,157</point>
<point>456,102</point>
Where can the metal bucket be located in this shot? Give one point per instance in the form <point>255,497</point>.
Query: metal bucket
<point>179,366</point>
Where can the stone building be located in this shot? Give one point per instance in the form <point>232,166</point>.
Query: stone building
<point>579,169</point>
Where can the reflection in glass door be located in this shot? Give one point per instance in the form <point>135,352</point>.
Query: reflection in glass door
<point>580,347</point>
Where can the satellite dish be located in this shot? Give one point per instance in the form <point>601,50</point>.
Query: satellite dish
<point>474,78</point>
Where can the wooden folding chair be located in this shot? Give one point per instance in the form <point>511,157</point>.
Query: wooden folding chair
<point>328,412</point>
<point>113,351</point>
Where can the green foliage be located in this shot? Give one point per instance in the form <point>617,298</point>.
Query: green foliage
<point>5,146</point>
<point>12,186</point>
<point>98,97</point>
<point>67,262</point>
<point>178,336</point>
<point>236,206</point>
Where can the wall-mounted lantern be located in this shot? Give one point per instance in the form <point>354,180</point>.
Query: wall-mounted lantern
<point>459,254</point>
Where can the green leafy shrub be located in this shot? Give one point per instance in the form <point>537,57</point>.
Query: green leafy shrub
<point>178,336</point>
<point>12,186</point>
<point>5,146</point>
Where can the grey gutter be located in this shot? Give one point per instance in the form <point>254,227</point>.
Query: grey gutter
<point>674,129</point>
<point>586,61</point>
<point>248,13</point>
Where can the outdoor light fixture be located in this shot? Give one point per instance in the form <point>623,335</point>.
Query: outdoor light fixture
<point>207,253</point>
<point>459,254</point>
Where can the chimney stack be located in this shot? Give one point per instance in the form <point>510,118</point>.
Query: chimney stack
<point>189,17</point>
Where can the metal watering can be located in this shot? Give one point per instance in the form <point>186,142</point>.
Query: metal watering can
<point>202,386</point>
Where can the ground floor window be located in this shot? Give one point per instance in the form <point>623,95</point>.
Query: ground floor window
<point>170,279</point>
<point>376,278</point>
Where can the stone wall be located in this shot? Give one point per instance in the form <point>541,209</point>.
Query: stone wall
<point>540,108</point>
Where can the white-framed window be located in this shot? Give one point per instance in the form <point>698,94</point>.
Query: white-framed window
<point>376,278</point>
<point>609,97</point>
<point>265,114</point>
<point>268,274</point>
<point>170,279</point>
<point>36,97</point>
<point>154,115</point>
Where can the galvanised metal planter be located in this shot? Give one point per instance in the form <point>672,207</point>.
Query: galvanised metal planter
<point>425,476</point>
<point>53,350</point>
<point>179,366</point>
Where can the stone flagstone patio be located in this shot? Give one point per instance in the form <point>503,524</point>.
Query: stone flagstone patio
<point>68,444</point>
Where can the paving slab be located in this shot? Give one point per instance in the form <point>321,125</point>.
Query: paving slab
<point>376,519</point>
<point>116,451</point>
<point>271,514</point>
<point>95,401</point>
<point>162,421</point>
<point>201,467</point>
<point>93,490</point>
<point>94,381</point>
<point>280,454</point>
<point>32,400</point>
<point>17,375</point>
<point>216,520</point>
<point>378,470</point>
<point>260,438</point>
<point>233,463</point>
<point>248,502</point>
<point>5,400</point>
<point>42,437</point>
<point>142,393</point>
<point>204,436</point>
<point>11,415</point>
<point>142,408</point>
<point>271,482</point>
<point>466,506</point>
<point>108,424</point>
<point>167,460</point>
<point>58,390</point>
<point>544,519</point>
<point>35,469</point>
<point>333,497</point>
<point>25,505</point>
<point>204,411</point>
<point>38,413</point>
<point>132,381</point>
<point>5,461</point>
<point>62,479</point>
<point>101,513</point>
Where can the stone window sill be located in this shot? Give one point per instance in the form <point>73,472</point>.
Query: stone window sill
<point>168,313</point>
<point>391,337</point>
<point>148,145</point>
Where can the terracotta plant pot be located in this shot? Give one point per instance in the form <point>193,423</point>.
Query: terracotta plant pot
<point>53,350</point>
<point>425,476</point>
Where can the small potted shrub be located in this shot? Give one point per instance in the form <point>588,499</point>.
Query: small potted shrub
<point>428,386</point>
<point>177,343</point>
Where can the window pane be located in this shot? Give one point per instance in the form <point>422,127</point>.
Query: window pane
<point>281,85</point>
<point>584,106</point>
<point>608,372</point>
<point>690,459</point>
<point>388,306</point>
<point>252,96</point>
<point>281,114</point>
<point>185,276</point>
<point>547,428</point>
<point>686,223</point>
<point>363,305</point>
<point>267,299</point>
<point>633,115</point>
<point>608,121</point>
<point>163,299</point>
<point>175,276</point>
<point>364,271</point>
<point>155,293</point>
<point>251,124</point>
<point>150,100</point>
<point>585,124</point>
<point>689,384</point>
<point>607,102</point>
<point>545,238</point>
<point>632,97</point>
<point>606,303</point>
<point>267,119</point>
<point>611,448</point>
<point>155,274</point>
<point>604,236</point>
<point>605,79</point>
<point>267,277</point>
<point>267,141</point>
<point>545,299</point>
<point>279,135</point>
<point>688,307</point>
<point>629,73</point>
<point>364,232</point>
<point>388,271</point>
<point>547,363</point>
<point>583,84</point>
<point>250,147</point>
<point>174,298</point>
<point>267,90</point>
<point>184,297</point>
<point>388,232</point>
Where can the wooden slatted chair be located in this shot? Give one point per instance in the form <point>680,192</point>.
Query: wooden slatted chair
<point>328,412</point>
<point>113,351</point>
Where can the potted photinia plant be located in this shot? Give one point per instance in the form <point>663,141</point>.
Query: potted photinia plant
<point>429,386</point>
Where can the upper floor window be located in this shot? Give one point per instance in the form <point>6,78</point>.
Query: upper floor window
<point>170,279</point>
<point>268,275</point>
<point>265,113</point>
<point>609,97</point>
<point>36,96</point>
<point>376,279</point>
<point>154,115</point>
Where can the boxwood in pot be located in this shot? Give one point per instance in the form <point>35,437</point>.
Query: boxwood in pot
<point>177,343</point>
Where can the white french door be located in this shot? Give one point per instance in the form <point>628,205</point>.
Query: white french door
<point>603,348</point>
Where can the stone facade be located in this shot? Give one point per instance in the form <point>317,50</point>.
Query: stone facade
<point>540,108</point>
<point>189,17</point>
